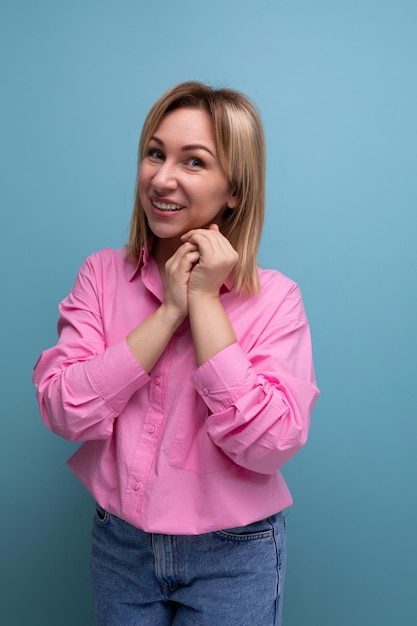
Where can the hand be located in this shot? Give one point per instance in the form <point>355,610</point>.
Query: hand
<point>176,278</point>
<point>216,259</point>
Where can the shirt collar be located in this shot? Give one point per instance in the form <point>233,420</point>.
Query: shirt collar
<point>143,260</point>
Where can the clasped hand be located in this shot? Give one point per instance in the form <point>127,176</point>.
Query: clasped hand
<point>198,268</point>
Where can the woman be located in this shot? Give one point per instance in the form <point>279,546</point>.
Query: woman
<point>186,370</point>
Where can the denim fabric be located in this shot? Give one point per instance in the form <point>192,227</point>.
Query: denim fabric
<point>229,577</point>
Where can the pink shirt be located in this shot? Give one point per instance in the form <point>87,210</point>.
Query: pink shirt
<point>183,449</point>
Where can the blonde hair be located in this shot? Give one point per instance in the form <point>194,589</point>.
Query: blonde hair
<point>241,149</point>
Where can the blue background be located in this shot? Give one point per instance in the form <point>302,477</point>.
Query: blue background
<point>336,84</point>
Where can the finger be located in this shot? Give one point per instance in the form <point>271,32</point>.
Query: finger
<point>198,235</point>
<point>186,236</point>
<point>187,246</point>
<point>210,241</point>
<point>182,251</point>
<point>182,262</point>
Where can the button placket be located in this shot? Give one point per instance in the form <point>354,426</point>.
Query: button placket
<point>147,445</point>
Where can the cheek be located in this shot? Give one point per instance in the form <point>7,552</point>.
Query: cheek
<point>144,176</point>
<point>212,189</point>
<point>142,184</point>
<point>221,192</point>
<point>141,177</point>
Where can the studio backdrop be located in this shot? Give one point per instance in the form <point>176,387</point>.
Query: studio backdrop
<point>336,84</point>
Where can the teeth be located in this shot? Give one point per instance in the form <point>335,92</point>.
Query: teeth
<point>164,206</point>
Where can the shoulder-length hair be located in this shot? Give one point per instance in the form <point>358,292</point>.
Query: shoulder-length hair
<point>241,149</point>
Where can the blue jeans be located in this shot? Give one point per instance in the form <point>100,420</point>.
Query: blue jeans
<point>233,576</point>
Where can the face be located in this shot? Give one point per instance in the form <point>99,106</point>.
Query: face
<point>181,182</point>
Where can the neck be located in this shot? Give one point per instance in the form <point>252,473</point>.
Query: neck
<point>163,249</point>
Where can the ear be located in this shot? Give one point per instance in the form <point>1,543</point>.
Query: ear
<point>232,200</point>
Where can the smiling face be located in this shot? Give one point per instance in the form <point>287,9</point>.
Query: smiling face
<point>181,183</point>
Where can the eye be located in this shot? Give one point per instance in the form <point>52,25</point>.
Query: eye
<point>155,153</point>
<point>195,162</point>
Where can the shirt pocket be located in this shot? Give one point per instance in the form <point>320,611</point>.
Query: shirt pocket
<point>193,448</point>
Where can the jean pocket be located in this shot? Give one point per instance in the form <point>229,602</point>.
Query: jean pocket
<point>263,529</point>
<point>101,516</point>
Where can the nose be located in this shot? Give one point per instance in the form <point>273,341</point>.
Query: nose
<point>164,178</point>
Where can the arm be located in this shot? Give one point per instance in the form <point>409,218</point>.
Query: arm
<point>210,326</point>
<point>261,391</point>
<point>148,340</point>
<point>82,383</point>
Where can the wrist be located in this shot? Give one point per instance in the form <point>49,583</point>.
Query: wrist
<point>170,316</point>
<point>203,296</point>
<point>204,305</point>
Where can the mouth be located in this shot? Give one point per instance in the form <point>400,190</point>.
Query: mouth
<point>166,206</point>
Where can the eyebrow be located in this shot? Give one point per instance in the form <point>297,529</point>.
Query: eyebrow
<point>191,146</point>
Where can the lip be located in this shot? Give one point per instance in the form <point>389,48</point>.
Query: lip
<point>165,212</point>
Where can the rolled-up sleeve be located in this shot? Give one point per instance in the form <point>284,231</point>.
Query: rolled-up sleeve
<point>82,383</point>
<point>260,400</point>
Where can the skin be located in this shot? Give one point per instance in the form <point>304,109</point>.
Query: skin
<point>193,257</point>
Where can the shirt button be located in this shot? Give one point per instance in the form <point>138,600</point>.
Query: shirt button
<point>157,380</point>
<point>205,392</point>
<point>150,428</point>
<point>136,486</point>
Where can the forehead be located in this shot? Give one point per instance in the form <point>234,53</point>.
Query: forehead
<point>186,124</point>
